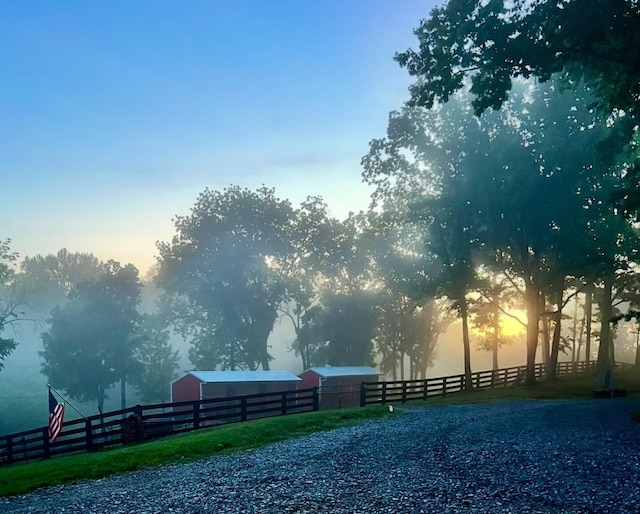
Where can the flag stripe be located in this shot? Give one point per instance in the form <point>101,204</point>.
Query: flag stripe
<point>56,418</point>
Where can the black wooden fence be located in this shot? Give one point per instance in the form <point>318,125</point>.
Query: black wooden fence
<point>151,421</point>
<point>401,391</point>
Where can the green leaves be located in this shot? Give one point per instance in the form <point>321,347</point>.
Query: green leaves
<point>492,43</point>
<point>221,268</point>
<point>158,360</point>
<point>13,296</point>
<point>90,342</point>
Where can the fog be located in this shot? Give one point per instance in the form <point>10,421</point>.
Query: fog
<point>253,186</point>
<point>24,401</point>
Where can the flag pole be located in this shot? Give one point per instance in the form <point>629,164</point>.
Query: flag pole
<point>66,400</point>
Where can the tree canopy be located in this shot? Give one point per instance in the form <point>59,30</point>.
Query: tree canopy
<point>220,273</point>
<point>520,190</point>
<point>491,43</point>
<point>61,272</point>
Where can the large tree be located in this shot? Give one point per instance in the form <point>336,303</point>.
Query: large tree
<point>220,273</point>
<point>493,42</point>
<point>91,341</point>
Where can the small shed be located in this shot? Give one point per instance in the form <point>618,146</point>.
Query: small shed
<point>339,386</point>
<point>203,385</point>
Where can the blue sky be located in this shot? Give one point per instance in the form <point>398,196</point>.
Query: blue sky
<point>115,115</point>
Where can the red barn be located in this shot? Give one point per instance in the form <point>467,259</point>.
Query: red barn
<point>202,385</point>
<point>339,386</point>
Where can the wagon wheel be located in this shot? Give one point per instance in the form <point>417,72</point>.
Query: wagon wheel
<point>133,429</point>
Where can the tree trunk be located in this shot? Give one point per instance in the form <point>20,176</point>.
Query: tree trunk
<point>100,399</point>
<point>412,368</point>
<point>303,344</point>
<point>428,315</point>
<point>604,351</point>
<point>574,330</point>
<point>588,308</point>
<point>264,348</point>
<point>496,335</point>
<point>546,330</point>
<point>638,347</point>
<point>123,394</point>
<point>465,343</point>
<point>532,300</point>
<point>546,345</point>
<point>612,350</point>
<point>580,337</point>
<point>552,366</point>
<point>394,365</point>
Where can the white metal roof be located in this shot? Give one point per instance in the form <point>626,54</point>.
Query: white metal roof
<point>343,371</point>
<point>244,376</point>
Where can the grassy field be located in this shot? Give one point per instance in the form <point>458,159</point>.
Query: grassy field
<point>25,477</point>
<point>569,387</point>
<point>22,478</point>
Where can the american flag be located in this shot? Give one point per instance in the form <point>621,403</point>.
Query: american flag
<point>56,417</point>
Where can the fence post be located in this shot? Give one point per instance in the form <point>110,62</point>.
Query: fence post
<point>46,446</point>
<point>243,408</point>
<point>384,393</point>
<point>316,399</point>
<point>363,394</point>
<point>88,433</point>
<point>9,449</point>
<point>404,392</point>
<point>196,415</point>
<point>425,385</point>
<point>444,386</point>
<point>477,380</point>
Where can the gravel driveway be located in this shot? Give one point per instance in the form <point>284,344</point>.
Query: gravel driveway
<point>516,457</point>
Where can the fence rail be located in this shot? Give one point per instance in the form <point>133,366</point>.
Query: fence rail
<point>401,391</point>
<point>152,421</point>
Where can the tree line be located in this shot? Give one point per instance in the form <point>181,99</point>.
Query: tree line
<point>507,180</point>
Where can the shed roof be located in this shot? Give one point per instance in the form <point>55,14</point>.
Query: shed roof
<point>344,371</point>
<point>244,376</point>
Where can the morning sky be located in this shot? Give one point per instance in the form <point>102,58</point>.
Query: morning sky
<point>115,115</point>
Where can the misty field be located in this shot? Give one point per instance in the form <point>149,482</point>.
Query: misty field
<point>534,423</point>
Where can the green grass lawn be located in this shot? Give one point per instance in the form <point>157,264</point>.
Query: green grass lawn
<point>568,387</point>
<point>25,477</point>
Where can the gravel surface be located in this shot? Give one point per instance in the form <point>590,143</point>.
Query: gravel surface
<point>517,457</point>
